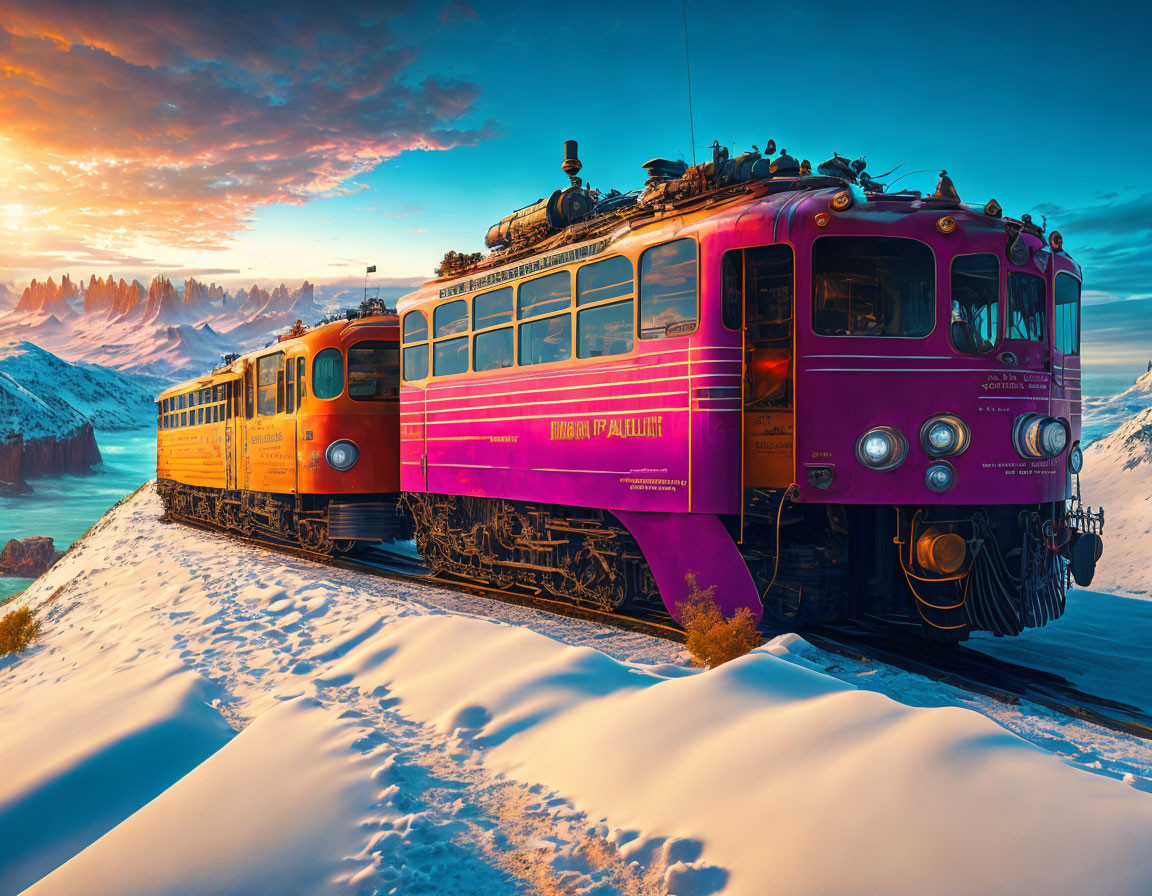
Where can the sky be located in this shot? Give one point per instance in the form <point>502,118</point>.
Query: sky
<point>277,141</point>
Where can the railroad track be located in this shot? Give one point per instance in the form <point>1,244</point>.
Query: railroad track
<point>952,665</point>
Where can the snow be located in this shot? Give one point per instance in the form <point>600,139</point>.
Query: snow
<point>1118,476</point>
<point>392,739</point>
<point>1104,415</point>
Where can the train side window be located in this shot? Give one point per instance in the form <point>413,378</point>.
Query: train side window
<point>280,397</point>
<point>493,350</point>
<point>450,356</point>
<point>450,318</point>
<point>605,330</point>
<point>269,386</point>
<point>300,390</point>
<point>600,281</point>
<point>416,362</point>
<point>328,374</point>
<point>544,295</point>
<point>183,418</point>
<point>1067,314</point>
<point>249,393</point>
<point>490,309</point>
<point>545,340</point>
<point>668,290</point>
<point>373,370</point>
<point>975,325</point>
<point>415,326</point>
<point>290,386</point>
<point>1027,316</point>
<point>873,286</point>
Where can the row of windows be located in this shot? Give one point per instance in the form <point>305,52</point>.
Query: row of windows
<point>533,323</point>
<point>278,385</point>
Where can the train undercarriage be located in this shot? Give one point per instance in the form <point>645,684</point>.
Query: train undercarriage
<point>581,555</point>
<point>944,571</point>
<point>947,570</point>
<point>324,524</point>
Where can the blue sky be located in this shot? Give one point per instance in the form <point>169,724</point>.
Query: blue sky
<point>1043,107</point>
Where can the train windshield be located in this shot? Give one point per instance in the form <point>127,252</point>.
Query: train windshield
<point>872,286</point>
<point>1027,317</point>
<point>975,303</point>
<point>1067,314</point>
<point>373,371</point>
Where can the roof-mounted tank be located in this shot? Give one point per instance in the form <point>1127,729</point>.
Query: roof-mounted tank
<point>562,209</point>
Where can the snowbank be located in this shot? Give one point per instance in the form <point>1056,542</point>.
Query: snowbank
<point>391,741</point>
<point>88,740</point>
<point>792,781</point>
<point>271,812</point>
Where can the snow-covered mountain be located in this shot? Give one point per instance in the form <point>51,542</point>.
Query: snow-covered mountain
<point>1118,477</point>
<point>162,329</point>
<point>107,399</point>
<point>1104,415</point>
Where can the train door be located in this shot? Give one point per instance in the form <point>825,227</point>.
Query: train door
<point>288,387</point>
<point>766,275</point>
<point>249,414</point>
<point>229,437</point>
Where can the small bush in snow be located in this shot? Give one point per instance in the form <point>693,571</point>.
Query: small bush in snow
<point>17,630</point>
<point>712,639</point>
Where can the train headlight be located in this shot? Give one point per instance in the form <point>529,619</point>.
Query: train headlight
<point>342,455</point>
<point>1076,459</point>
<point>1034,436</point>
<point>882,448</point>
<point>944,435</point>
<point>940,476</point>
<point>842,201</point>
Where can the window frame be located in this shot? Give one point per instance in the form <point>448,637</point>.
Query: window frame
<point>343,373</point>
<point>811,300</point>
<point>435,340</point>
<point>640,337</point>
<point>276,368</point>
<point>1001,303</point>
<point>537,320</point>
<point>520,318</point>
<point>1046,336</point>
<point>1079,314</point>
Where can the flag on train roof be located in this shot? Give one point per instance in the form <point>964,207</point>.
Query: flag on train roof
<point>371,269</point>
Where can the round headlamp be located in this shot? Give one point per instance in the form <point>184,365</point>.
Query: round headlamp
<point>1036,436</point>
<point>1076,459</point>
<point>940,476</point>
<point>944,435</point>
<point>882,448</point>
<point>342,455</point>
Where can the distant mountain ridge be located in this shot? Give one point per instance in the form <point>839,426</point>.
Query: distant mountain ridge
<point>161,330</point>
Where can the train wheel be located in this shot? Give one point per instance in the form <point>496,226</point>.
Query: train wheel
<point>313,535</point>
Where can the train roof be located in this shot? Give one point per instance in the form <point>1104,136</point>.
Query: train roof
<point>232,365</point>
<point>571,221</point>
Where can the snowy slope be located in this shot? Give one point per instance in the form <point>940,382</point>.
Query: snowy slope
<point>1103,415</point>
<point>1118,476</point>
<point>111,400</point>
<point>390,741</point>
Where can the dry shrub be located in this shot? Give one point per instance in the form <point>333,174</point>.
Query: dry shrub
<point>713,639</point>
<point>17,630</point>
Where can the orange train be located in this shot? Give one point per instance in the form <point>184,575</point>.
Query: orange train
<point>299,439</point>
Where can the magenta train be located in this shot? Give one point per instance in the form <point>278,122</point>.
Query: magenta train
<point>822,401</point>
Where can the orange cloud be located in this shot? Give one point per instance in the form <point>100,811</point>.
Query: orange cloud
<point>123,125</point>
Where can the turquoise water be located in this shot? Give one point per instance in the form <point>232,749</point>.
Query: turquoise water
<point>64,507</point>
